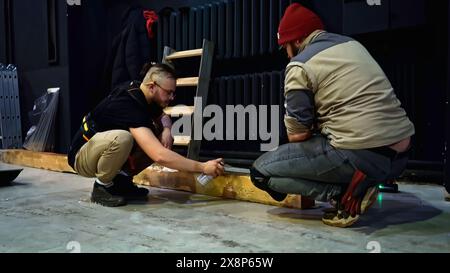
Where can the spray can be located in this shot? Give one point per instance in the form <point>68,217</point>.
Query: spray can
<point>204,179</point>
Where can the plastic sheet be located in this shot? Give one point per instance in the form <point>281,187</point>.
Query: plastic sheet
<point>41,136</point>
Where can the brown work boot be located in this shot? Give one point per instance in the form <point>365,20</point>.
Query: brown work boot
<point>338,217</point>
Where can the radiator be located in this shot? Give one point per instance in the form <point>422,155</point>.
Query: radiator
<point>10,127</point>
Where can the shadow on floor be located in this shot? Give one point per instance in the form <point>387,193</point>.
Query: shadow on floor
<point>13,184</point>
<point>157,197</point>
<point>389,210</point>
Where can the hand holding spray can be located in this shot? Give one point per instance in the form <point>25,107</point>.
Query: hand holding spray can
<point>204,179</point>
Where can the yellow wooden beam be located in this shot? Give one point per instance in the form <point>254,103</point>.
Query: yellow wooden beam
<point>46,161</point>
<point>228,186</point>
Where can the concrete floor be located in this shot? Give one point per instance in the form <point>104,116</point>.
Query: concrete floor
<point>45,211</point>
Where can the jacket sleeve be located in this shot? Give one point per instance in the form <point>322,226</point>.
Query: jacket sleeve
<point>299,101</point>
<point>133,56</point>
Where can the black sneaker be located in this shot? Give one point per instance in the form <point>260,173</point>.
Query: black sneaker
<point>104,196</point>
<point>124,186</point>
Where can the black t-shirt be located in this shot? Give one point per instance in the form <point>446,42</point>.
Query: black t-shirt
<point>125,108</point>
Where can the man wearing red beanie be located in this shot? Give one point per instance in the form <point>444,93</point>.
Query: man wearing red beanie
<point>346,128</point>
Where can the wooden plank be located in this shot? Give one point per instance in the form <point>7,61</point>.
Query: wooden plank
<point>179,110</point>
<point>46,161</point>
<point>187,81</point>
<point>185,54</point>
<point>237,187</point>
<point>181,140</point>
<point>231,186</point>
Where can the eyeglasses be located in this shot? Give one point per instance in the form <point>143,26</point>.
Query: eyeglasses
<point>171,93</point>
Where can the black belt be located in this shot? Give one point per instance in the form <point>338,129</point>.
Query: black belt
<point>388,152</point>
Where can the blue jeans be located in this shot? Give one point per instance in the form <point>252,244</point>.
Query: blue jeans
<point>317,170</point>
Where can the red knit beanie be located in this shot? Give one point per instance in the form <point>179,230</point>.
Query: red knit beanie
<point>297,23</point>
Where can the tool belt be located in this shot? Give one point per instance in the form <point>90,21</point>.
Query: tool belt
<point>88,128</point>
<point>84,134</point>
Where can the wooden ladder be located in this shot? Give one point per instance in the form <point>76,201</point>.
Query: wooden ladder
<point>202,82</point>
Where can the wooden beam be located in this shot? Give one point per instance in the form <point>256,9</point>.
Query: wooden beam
<point>228,186</point>
<point>181,140</point>
<point>46,161</point>
<point>179,110</point>
<point>185,54</point>
<point>193,81</point>
<point>237,187</point>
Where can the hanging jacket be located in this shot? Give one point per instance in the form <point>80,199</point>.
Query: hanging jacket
<point>131,49</point>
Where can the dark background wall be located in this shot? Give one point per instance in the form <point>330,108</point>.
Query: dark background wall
<point>2,33</point>
<point>408,38</point>
<point>38,68</point>
<point>447,134</point>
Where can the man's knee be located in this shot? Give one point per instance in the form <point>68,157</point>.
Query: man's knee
<point>258,179</point>
<point>262,182</point>
<point>258,175</point>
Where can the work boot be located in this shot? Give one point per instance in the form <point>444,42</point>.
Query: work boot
<point>261,182</point>
<point>124,186</point>
<point>369,198</point>
<point>340,217</point>
<point>106,196</point>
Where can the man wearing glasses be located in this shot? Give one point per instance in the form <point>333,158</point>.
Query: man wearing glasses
<point>122,136</point>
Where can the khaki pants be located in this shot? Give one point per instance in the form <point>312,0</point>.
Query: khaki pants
<point>104,155</point>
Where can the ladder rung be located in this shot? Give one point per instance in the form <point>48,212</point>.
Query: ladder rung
<point>187,81</point>
<point>181,140</point>
<point>185,54</point>
<point>179,110</point>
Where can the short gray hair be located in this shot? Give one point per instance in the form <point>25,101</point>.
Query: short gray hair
<point>158,72</point>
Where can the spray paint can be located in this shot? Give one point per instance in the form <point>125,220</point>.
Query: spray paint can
<point>204,179</point>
